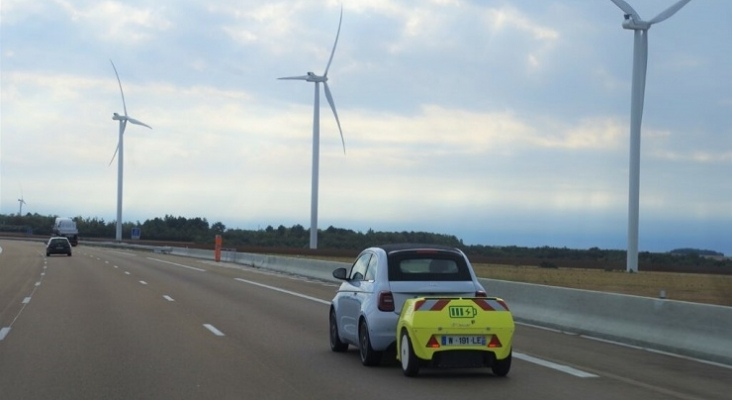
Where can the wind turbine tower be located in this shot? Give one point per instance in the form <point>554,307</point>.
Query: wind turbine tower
<point>20,203</point>
<point>640,28</point>
<point>119,152</point>
<point>318,79</point>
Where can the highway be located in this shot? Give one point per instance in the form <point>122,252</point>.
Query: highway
<point>112,324</point>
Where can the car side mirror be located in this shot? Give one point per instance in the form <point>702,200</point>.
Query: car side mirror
<point>340,273</point>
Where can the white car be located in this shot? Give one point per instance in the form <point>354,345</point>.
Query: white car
<point>365,310</point>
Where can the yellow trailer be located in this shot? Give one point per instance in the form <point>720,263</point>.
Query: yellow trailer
<point>455,333</point>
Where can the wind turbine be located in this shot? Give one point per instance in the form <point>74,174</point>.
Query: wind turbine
<point>21,201</point>
<point>318,79</point>
<point>123,120</point>
<point>640,27</point>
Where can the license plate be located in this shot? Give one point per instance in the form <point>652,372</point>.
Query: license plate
<point>458,340</point>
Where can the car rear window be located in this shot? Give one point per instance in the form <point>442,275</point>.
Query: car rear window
<point>428,267</point>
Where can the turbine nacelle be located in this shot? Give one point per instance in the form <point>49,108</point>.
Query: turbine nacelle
<point>632,24</point>
<point>118,117</point>
<point>311,77</point>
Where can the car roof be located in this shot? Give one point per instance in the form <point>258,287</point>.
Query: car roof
<point>395,247</point>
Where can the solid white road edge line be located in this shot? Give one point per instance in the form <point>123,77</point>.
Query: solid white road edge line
<point>555,366</point>
<point>176,264</point>
<point>315,299</point>
<point>213,330</point>
<point>665,353</point>
<point>524,357</point>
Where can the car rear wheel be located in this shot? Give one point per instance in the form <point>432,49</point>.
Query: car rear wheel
<point>335,341</point>
<point>369,357</point>
<point>501,367</point>
<point>410,362</point>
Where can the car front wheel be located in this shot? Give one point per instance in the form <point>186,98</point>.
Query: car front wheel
<point>369,357</point>
<point>410,362</point>
<point>335,341</point>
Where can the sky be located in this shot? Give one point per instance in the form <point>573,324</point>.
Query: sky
<point>499,122</point>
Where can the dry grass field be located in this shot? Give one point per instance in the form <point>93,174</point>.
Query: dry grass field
<point>695,288</point>
<point>698,288</point>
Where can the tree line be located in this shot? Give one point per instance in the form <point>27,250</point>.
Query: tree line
<point>198,232</point>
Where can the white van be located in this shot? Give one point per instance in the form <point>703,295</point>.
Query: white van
<point>66,227</point>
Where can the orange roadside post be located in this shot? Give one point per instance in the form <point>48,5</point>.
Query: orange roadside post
<point>217,248</point>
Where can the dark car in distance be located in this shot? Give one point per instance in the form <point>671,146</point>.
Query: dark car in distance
<point>58,245</point>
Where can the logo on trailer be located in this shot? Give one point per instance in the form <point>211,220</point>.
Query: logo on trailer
<point>462,311</point>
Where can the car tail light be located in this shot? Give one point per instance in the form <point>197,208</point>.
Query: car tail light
<point>480,293</point>
<point>433,343</point>
<point>494,342</point>
<point>386,301</point>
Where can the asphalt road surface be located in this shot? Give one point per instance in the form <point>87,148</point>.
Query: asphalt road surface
<point>111,324</point>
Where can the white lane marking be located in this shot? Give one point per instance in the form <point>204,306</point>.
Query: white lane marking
<point>38,283</point>
<point>541,327</point>
<point>559,367</point>
<point>315,299</point>
<point>43,273</point>
<point>166,297</point>
<point>143,282</point>
<point>177,265</point>
<point>213,330</point>
<point>127,273</point>
<point>665,353</point>
<point>106,262</point>
<point>116,266</point>
<point>4,332</point>
<point>124,253</point>
<point>26,300</point>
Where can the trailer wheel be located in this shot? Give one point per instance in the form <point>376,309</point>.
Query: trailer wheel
<point>501,367</point>
<point>410,362</point>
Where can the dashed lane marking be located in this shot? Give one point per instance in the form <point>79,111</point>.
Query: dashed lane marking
<point>213,330</point>
<point>177,265</point>
<point>315,299</point>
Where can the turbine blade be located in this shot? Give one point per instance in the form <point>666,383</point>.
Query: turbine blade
<point>669,12</point>
<point>335,113</point>
<point>136,122</point>
<point>299,78</point>
<point>627,9</point>
<point>120,88</point>
<point>114,155</point>
<point>327,67</point>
